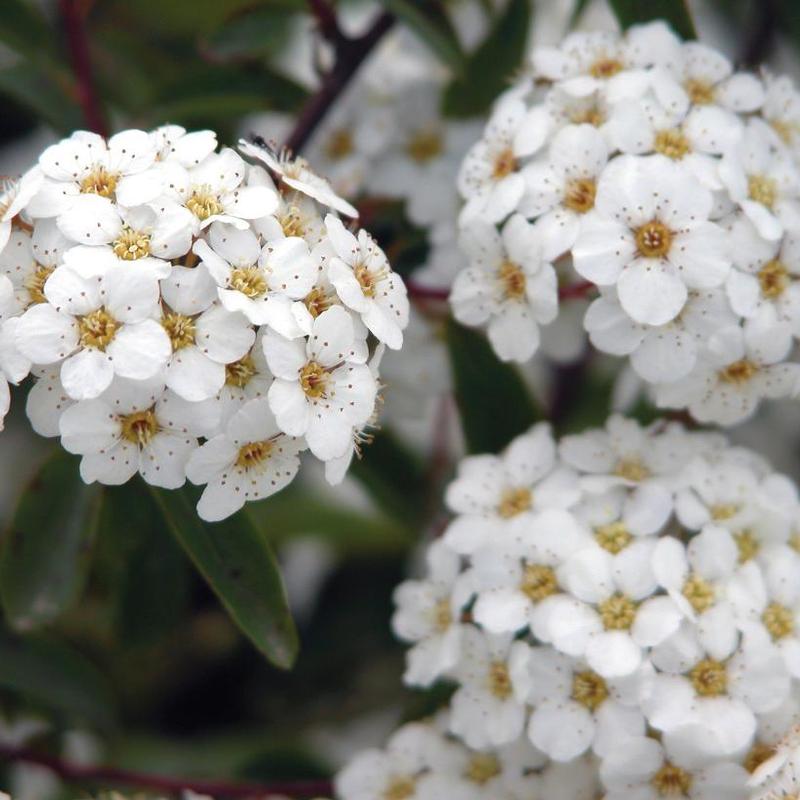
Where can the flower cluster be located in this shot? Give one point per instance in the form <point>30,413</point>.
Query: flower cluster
<point>164,294</point>
<point>648,170</point>
<point>625,602</point>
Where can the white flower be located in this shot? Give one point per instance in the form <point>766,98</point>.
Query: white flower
<point>135,426</point>
<point>46,401</point>
<point>99,327</point>
<point>14,197</point>
<point>250,460</point>
<point>14,366</point>
<point>650,236</point>
<point>323,388</point>
<point>508,284</point>
<point>174,143</point>
<point>364,282</point>
<point>781,110</point>
<point>245,379</point>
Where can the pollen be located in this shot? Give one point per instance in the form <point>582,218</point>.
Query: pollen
<point>613,537</point>
<point>512,280</point>
<point>773,278</point>
<point>339,145</point>
<point>747,544</point>
<point>140,427</point>
<point>400,787</point>
<point>442,615</point>
<point>722,511</point>
<point>100,181</point>
<point>538,581</point>
<point>314,380</point>
<point>757,755</point>
<point>632,469</point>
<point>709,678</point>
<point>317,301</point>
<point>778,620</point>
<point>97,329</point>
<point>369,279</point>
<point>762,190</point>
<point>589,689</point>
<point>605,67</point>
<point>253,454</point>
<point>671,781</point>
<point>654,239</point>
<point>515,501</point>
<point>589,115</point>
<point>500,680</point>
<point>505,163</point>
<point>579,195</point>
<point>482,767</point>
<point>672,143</point>
<point>787,131</point>
<point>701,93</point>
<point>617,612</point>
<point>425,145</point>
<point>699,593</point>
<point>738,373</point>
<point>35,284</point>
<point>239,373</point>
<point>203,203</point>
<point>250,281</point>
<point>292,222</point>
<point>180,329</point>
<point>131,245</point>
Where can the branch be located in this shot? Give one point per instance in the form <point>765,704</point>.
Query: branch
<point>74,23</point>
<point>327,23</point>
<point>350,54</point>
<point>79,773</point>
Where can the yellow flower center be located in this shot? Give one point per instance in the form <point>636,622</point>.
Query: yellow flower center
<point>140,427</point>
<point>180,329</point>
<point>35,284</point>
<point>722,511</point>
<point>653,239</point>
<point>605,67</point>
<point>794,542</point>
<point>131,245</point>
<point>203,203</point>
<point>774,279</point>
<point>317,301</point>
<point>512,280</point>
<point>314,380</point>
<point>515,501</point>
<point>701,93</point>
<point>748,545</point>
<point>538,581</point>
<point>482,767</point>
<point>425,145</point>
<point>699,593</point>
<point>758,754</point>
<point>762,190</point>
<point>632,469</point>
<point>738,373</point>
<point>671,781</point>
<point>589,115</point>
<point>709,678</point>
<point>291,222</point>
<point>589,689</point>
<point>400,787</point>
<point>672,143</point>
<point>250,281</point>
<point>505,163</point>
<point>778,620</point>
<point>368,279</point>
<point>97,329</point>
<point>238,373</point>
<point>442,615</point>
<point>253,454</point>
<point>100,181</point>
<point>579,195</point>
<point>617,612</point>
<point>614,537</point>
<point>500,680</point>
<point>339,144</point>
<point>786,130</point>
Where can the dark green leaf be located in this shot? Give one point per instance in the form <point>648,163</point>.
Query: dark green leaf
<point>47,93</point>
<point>495,406</point>
<point>24,30</point>
<point>57,677</point>
<point>490,67</point>
<point>45,553</point>
<point>262,32</point>
<point>239,565</point>
<point>675,12</point>
<point>428,20</point>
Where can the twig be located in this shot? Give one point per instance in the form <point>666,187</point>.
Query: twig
<point>74,22</point>
<point>326,20</point>
<point>350,54</point>
<point>79,773</point>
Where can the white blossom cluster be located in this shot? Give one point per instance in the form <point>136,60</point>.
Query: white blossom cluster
<point>625,603</point>
<point>650,172</point>
<point>187,314</point>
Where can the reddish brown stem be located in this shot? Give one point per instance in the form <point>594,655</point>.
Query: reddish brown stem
<point>79,773</point>
<point>327,23</point>
<point>74,23</point>
<point>576,291</point>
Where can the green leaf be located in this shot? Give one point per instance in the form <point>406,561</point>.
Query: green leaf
<point>674,12</point>
<point>239,565</point>
<point>429,21</point>
<point>48,93</point>
<point>495,406</point>
<point>262,32</point>
<point>45,553</point>
<point>490,67</point>
<point>51,674</point>
<point>25,30</point>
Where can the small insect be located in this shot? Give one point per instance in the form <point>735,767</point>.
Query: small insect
<point>260,141</point>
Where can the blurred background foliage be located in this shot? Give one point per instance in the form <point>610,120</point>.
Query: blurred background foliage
<point>134,634</point>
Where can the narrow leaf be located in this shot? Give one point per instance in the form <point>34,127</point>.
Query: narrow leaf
<point>674,12</point>
<point>239,565</point>
<point>45,553</point>
<point>495,406</point>
<point>490,67</point>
